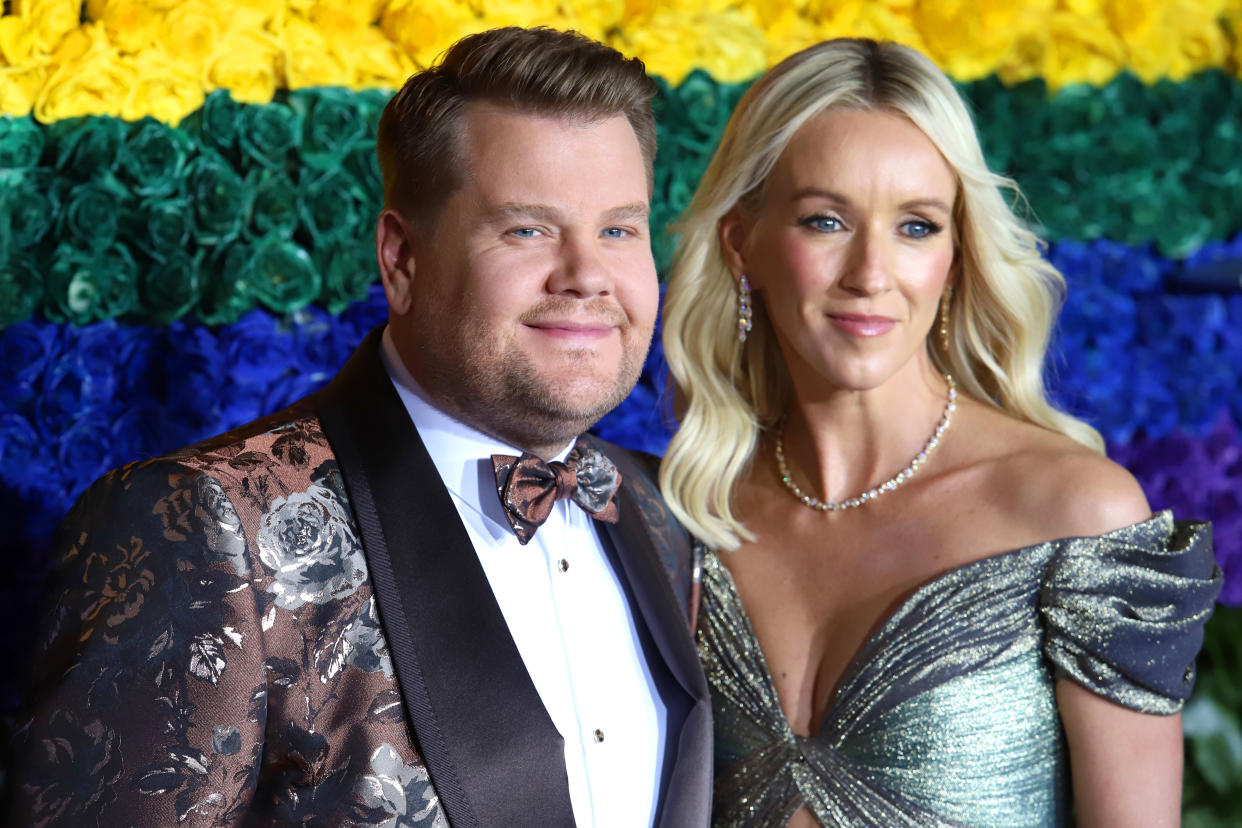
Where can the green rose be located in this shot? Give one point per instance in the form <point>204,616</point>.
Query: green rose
<point>332,125</point>
<point>166,226</point>
<point>87,147</point>
<point>332,207</point>
<point>220,198</point>
<point>90,212</point>
<point>348,268</point>
<point>267,134</point>
<point>21,143</point>
<point>989,100</point>
<point>153,160</point>
<point>280,274</point>
<point>1219,152</point>
<point>276,203</point>
<point>31,200</point>
<point>169,287</point>
<point>216,122</point>
<point>21,288</point>
<point>85,286</point>
<point>363,167</point>
<point>1127,143</point>
<point>371,103</point>
<point>663,240</point>
<point>225,292</point>
<point>1181,227</point>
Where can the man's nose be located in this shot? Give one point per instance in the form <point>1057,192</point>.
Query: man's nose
<point>581,269</point>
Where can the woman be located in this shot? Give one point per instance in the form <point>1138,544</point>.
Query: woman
<point>946,639</point>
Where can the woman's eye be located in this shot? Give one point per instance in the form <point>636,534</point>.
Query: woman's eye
<point>920,229</point>
<point>824,224</point>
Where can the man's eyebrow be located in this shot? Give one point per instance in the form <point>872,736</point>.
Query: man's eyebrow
<point>635,211</point>
<point>517,210</point>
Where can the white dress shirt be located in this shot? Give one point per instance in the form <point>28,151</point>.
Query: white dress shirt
<point>568,614</point>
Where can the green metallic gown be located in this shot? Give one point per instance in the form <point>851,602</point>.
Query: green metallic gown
<point>947,714</point>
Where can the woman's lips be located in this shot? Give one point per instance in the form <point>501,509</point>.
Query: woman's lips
<point>861,324</point>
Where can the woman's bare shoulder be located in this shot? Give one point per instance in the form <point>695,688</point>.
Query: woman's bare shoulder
<point>1047,480</point>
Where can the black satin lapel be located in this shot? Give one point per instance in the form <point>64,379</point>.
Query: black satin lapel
<point>491,749</point>
<point>687,797</point>
<point>661,608</point>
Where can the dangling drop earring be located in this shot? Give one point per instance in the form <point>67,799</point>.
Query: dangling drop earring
<point>945,298</point>
<point>744,322</point>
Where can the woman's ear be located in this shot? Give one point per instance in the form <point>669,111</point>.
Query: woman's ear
<point>734,229</point>
<point>394,251</point>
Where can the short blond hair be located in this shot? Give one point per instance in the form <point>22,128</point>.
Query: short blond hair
<point>1004,303</point>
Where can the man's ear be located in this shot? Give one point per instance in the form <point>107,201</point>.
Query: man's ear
<point>734,229</point>
<point>394,249</point>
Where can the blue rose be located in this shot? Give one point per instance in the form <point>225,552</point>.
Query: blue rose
<point>26,349</point>
<point>195,371</point>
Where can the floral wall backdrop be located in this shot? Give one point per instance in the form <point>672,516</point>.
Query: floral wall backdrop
<point>188,189</point>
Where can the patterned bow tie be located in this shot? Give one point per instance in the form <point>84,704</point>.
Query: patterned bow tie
<point>528,487</point>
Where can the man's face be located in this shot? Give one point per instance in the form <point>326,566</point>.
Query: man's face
<point>533,295</point>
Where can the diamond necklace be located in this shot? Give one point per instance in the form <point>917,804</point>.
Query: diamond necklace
<point>892,483</point>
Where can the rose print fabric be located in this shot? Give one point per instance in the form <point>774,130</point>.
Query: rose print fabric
<point>214,654</point>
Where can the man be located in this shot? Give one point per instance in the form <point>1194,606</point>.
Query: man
<point>329,617</point>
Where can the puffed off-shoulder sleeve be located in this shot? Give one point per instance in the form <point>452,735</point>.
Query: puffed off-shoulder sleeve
<point>1124,612</point>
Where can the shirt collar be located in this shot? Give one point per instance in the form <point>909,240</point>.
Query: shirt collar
<point>456,449</point>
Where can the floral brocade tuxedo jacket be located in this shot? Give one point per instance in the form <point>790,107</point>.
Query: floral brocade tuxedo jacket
<point>288,625</point>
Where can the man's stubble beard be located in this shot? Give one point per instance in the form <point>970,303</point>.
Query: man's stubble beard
<point>498,390</point>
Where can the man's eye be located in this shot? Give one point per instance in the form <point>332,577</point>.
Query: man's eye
<point>526,232</point>
<point>615,233</point>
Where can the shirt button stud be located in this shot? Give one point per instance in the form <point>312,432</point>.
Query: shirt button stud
<point>599,735</point>
<point>562,565</point>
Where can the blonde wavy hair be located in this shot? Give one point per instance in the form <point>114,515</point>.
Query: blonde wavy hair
<point>1003,305</point>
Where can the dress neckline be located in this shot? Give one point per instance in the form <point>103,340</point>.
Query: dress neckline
<point>1164,519</point>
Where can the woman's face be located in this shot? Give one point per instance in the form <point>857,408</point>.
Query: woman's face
<point>851,248</point>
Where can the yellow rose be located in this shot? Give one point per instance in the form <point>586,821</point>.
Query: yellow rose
<point>376,61</point>
<point>1072,49</point>
<point>635,9</point>
<point>729,45</point>
<point>49,21</point>
<point>342,19</point>
<point>16,41</point>
<point>190,33</point>
<point>247,63</point>
<point>97,82</point>
<point>770,13</point>
<point>790,32</point>
<point>164,90</point>
<point>248,15</point>
<point>594,18</point>
<point>308,58</point>
<point>518,12</point>
<point>1168,40</point>
<point>131,24</point>
<point>969,40</point>
<point>425,28</point>
<point>1204,44</point>
<point>19,87</point>
<point>877,21</point>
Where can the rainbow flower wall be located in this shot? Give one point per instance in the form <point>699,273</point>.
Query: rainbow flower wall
<point>188,189</point>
